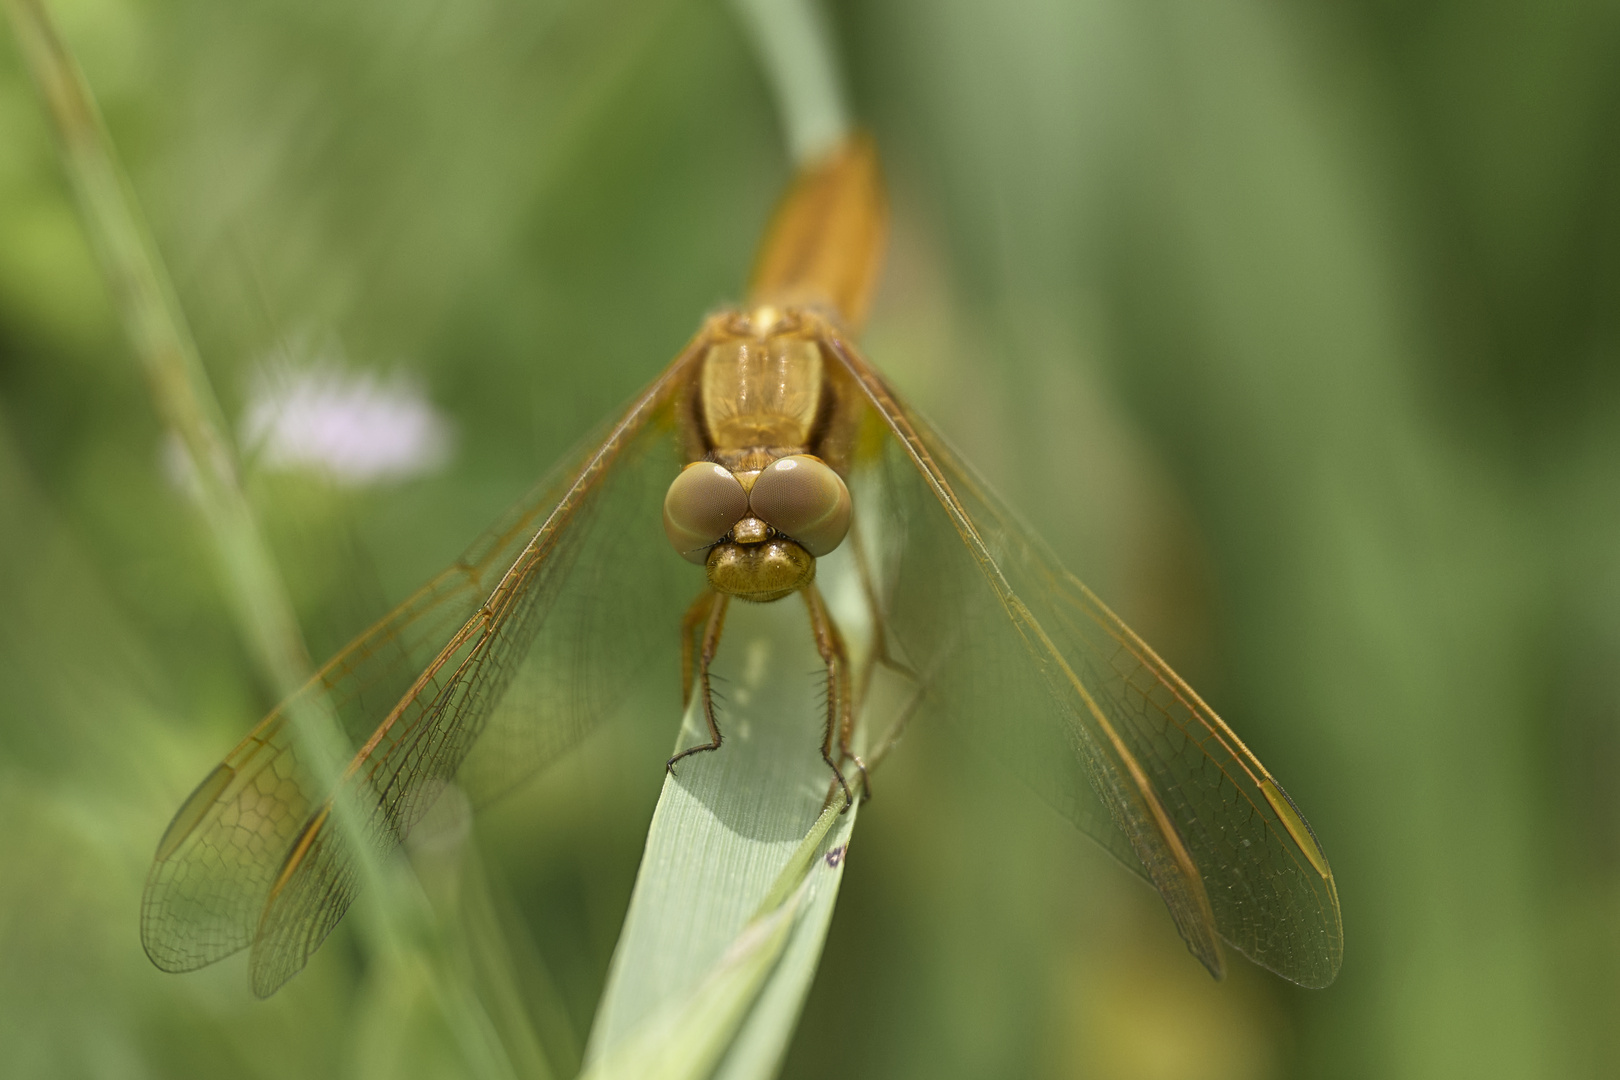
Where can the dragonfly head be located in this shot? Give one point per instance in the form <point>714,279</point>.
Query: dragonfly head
<point>758,534</point>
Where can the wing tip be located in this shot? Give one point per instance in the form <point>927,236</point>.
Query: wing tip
<point>265,977</point>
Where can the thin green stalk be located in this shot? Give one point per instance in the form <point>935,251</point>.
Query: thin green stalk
<point>161,340</point>
<point>162,343</point>
<point>796,52</point>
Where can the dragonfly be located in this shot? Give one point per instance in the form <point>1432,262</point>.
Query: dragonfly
<point>750,443</point>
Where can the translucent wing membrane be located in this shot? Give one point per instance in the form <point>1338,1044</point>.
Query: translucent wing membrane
<point>524,642</point>
<point>1021,657</point>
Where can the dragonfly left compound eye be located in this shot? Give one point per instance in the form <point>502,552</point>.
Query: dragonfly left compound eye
<point>802,498</point>
<point>702,505</point>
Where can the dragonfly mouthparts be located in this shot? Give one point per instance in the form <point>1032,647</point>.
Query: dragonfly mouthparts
<point>761,571</point>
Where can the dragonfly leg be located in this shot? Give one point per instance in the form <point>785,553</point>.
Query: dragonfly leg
<point>830,644</point>
<point>711,645</point>
<point>880,655</point>
<point>691,622</point>
<point>880,637</point>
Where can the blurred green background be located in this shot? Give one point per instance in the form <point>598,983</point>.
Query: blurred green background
<point>1293,327</point>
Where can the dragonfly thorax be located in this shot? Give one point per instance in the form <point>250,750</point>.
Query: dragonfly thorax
<point>760,396</point>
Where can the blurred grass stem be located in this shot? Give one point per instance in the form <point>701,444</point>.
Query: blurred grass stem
<point>161,339</point>
<point>162,342</point>
<point>795,50</point>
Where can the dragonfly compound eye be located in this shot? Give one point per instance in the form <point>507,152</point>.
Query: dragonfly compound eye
<point>803,499</point>
<point>702,505</point>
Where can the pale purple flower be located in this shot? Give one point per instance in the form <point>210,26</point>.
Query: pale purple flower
<point>359,427</point>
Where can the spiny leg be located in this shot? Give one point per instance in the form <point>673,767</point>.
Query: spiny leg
<point>839,712</point>
<point>880,656</point>
<point>711,645</point>
<point>895,730</point>
<point>880,637</point>
<point>695,617</point>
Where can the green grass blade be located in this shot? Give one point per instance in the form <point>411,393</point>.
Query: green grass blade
<point>736,888</point>
<point>757,1047</point>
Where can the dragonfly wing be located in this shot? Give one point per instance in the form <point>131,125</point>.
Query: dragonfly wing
<point>1020,654</point>
<point>571,582</point>
<point>215,862</point>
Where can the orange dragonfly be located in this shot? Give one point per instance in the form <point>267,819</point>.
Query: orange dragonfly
<point>752,439</point>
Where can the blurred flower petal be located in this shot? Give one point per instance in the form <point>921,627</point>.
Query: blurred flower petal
<point>359,427</point>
